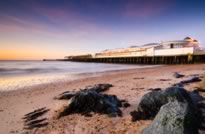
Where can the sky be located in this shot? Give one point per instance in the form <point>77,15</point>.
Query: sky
<point>38,29</point>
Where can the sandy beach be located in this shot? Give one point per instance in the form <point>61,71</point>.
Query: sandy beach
<point>130,85</point>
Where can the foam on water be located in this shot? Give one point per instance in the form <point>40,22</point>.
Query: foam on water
<point>18,74</point>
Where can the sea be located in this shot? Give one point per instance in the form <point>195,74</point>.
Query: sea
<point>20,74</point>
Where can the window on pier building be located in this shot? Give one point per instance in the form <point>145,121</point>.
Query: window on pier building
<point>171,45</point>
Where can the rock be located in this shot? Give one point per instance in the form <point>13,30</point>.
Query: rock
<point>85,102</point>
<point>178,75</point>
<point>155,89</point>
<point>90,100</point>
<point>65,95</point>
<point>195,75</point>
<point>34,119</point>
<point>151,102</point>
<point>125,103</point>
<point>35,114</point>
<point>191,80</point>
<point>137,88</point>
<point>97,88</point>
<point>164,79</point>
<point>178,85</point>
<point>184,82</point>
<point>197,90</point>
<point>174,118</point>
<point>138,78</point>
<point>201,77</point>
<point>196,97</point>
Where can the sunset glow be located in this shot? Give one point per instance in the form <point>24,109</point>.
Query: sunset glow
<point>37,29</point>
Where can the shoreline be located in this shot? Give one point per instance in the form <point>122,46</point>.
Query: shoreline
<point>38,80</point>
<point>15,104</point>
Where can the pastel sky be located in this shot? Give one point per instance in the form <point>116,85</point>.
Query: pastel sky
<point>37,29</point>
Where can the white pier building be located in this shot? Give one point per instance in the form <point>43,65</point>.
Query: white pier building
<point>188,46</point>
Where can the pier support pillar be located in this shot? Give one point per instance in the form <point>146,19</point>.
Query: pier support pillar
<point>190,58</point>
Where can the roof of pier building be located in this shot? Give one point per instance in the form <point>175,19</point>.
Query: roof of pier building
<point>186,41</point>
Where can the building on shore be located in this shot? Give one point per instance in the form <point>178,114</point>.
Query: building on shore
<point>187,46</point>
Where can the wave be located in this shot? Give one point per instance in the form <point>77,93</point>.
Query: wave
<point>12,69</point>
<point>26,70</point>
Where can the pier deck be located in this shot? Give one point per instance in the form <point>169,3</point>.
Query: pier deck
<point>181,59</point>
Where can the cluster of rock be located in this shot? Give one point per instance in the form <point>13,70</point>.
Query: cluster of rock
<point>34,119</point>
<point>91,100</point>
<point>174,110</point>
<point>192,79</point>
<point>174,118</point>
<point>96,88</point>
<point>178,75</point>
<point>151,102</point>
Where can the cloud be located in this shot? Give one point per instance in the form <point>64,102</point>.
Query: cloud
<point>83,20</point>
<point>64,28</point>
<point>143,9</point>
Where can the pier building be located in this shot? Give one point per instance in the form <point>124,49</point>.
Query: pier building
<point>188,46</point>
<point>185,51</point>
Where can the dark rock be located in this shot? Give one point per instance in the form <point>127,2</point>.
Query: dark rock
<point>191,80</point>
<point>90,100</point>
<point>184,82</point>
<point>85,102</point>
<point>138,78</point>
<point>155,89</point>
<point>138,115</point>
<point>178,85</point>
<point>137,88</point>
<point>31,120</point>
<point>201,77</point>
<point>65,95</point>
<point>195,75</point>
<point>39,125</point>
<point>178,75</point>
<point>196,97</point>
<point>35,114</point>
<point>88,114</point>
<point>35,122</point>
<point>164,79</point>
<point>97,88</point>
<point>197,90</point>
<point>125,103</point>
<point>151,102</point>
<point>174,118</point>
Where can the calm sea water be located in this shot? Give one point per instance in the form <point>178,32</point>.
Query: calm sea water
<point>27,68</point>
<point>18,74</point>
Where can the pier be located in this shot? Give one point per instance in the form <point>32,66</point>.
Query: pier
<point>182,59</point>
<point>186,51</point>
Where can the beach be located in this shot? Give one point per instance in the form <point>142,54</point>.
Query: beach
<point>129,85</point>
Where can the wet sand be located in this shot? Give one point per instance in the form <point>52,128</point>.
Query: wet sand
<point>130,85</point>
